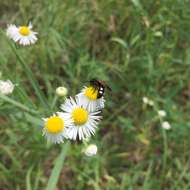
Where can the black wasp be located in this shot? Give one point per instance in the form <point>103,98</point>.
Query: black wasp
<point>100,86</point>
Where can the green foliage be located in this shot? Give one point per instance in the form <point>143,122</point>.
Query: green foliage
<point>140,48</point>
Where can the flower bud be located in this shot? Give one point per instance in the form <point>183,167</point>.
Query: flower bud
<point>166,125</point>
<point>162,113</point>
<point>61,91</point>
<point>91,150</point>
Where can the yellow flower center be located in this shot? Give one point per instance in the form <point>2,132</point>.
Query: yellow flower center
<point>80,116</point>
<point>91,93</point>
<point>54,124</point>
<point>24,30</point>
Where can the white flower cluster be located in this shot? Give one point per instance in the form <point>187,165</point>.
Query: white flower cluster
<point>78,118</point>
<point>80,115</point>
<point>147,101</point>
<point>6,87</point>
<point>161,113</point>
<point>165,124</point>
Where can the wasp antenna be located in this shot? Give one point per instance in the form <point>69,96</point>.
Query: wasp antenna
<point>93,80</point>
<point>109,88</point>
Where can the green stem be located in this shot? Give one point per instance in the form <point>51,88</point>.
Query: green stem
<point>31,78</point>
<point>17,104</point>
<point>165,145</point>
<point>54,101</point>
<point>58,165</point>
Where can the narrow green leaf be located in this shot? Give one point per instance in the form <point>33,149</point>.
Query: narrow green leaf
<point>34,120</point>
<point>31,78</point>
<point>120,41</point>
<point>17,104</point>
<point>137,4</point>
<point>148,174</point>
<point>38,176</point>
<point>8,151</point>
<point>57,168</point>
<point>28,178</point>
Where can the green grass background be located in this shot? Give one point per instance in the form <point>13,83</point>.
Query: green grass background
<point>140,48</point>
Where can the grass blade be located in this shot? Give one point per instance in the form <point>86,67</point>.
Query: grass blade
<point>57,168</point>
<point>17,104</point>
<point>28,179</point>
<point>38,176</point>
<point>31,78</point>
<point>120,41</point>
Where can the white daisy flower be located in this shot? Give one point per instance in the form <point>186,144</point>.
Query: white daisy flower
<point>83,121</point>
<point>162,113</point>
<point>6,87</point>
<point>23,35</point>
<point>89,98</point>
<point>91,150</point>
<point>55,128</point>
<point>166,125</point>
<point>61,91</point>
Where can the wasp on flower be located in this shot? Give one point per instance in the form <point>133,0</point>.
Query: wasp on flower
<point>93,96</point>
